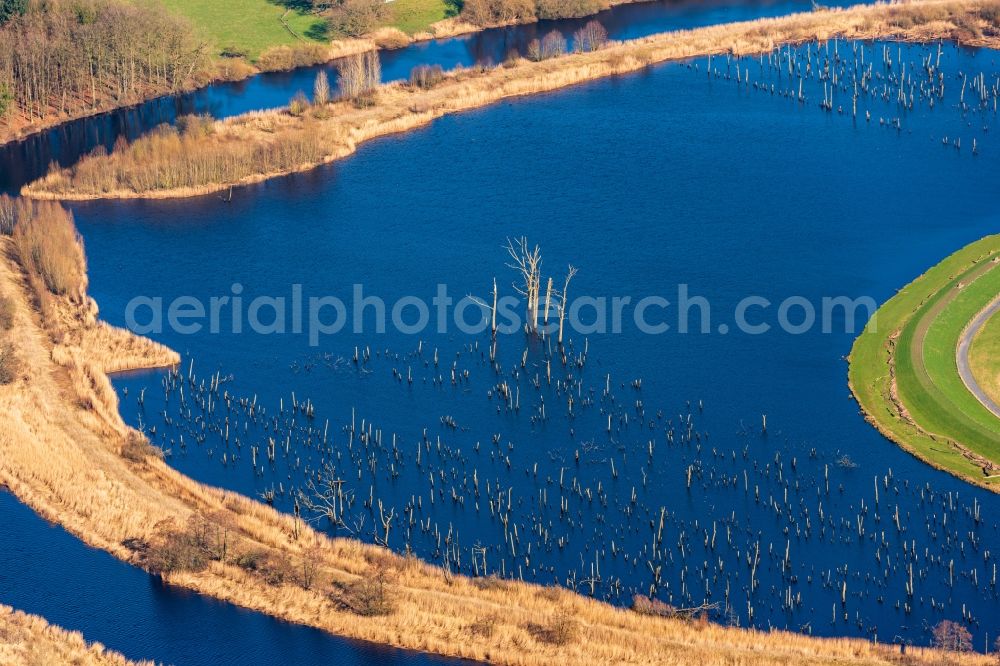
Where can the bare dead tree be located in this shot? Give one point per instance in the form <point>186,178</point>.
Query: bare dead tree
<point>564,298</point>
<point>327,498</point>
<point>386,519</point>
<point>527,261</point>
<point>492,309</point>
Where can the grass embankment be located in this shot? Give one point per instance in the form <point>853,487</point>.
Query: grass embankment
<point>904,373</point>
<point>984,357</point>
<point>28,640</point>
<point>65,451</point>
<point>263,145</point>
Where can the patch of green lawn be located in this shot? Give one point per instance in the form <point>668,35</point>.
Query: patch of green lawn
<point>250,26</point>
<point>919,328</point>
<point>413,16</point>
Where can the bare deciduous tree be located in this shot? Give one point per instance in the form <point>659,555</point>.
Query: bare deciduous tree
<point>564,299</point>
<point>321,89</point>
<point>951,636</point>
<point>591,37</point>
<point>359,74</point>
<point>528,262</point>
<point>327,497</point>
<point>62,57</point>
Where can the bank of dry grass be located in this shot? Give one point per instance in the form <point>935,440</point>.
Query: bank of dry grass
<point>261,145</point>
<point>65,451</point>
<point>28,640</point>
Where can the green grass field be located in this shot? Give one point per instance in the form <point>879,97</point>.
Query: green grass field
<point>917,332</point>
<point>984,357</point>
<point>412,16</point>
<point>249,25</point>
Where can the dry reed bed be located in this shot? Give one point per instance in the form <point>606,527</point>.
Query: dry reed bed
<point>262,145</point>
<point>64,450</point>
<point>28,640</point>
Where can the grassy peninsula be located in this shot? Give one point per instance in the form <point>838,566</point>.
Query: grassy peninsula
<point>208,156</point>
<point>904,374</point>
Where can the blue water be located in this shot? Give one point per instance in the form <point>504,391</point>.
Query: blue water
<point>46,571</point>
<point>648,181</point>
<point>645,182</point>
<point>24,161</point>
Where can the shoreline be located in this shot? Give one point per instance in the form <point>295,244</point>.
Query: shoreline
<point>27,639</point>
<point>399,107</point>
<point>66,452</point>
<point>383,39</point>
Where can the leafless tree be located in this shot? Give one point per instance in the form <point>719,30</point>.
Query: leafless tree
<point>951,636</point>
<point>553,45</point>
<point>528,262</point>
<point>386,519</point>
<point>571,271</point>
<point>359,74</point>
<point>590,37</point>
<point>321,89</point>
<point>326,499</point>
<point>61,57</point>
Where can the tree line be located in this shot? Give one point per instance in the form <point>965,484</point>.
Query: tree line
<point>68,57</point>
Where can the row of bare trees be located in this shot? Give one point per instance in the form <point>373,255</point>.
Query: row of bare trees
<point>65,57</point>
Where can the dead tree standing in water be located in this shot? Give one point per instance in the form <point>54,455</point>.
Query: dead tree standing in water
<point>563,299</point>
<point>528,262</point>
<point>326,500</point>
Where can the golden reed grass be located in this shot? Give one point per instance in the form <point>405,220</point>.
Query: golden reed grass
<point>66,452</point>
<point>28,640</point>
<point>262,145</point>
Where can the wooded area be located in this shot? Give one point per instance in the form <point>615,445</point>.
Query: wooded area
<point>63,58</point>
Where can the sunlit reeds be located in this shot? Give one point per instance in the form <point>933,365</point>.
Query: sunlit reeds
<point>27,640</point>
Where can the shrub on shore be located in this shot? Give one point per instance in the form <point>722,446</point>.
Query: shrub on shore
<point>561,629</point>
<point>137,448</point>
<point>6,314</point>
<point>299,104</point>
<point>426,77</point>
<point>194,125</point>
<point>370,595</point>
<point>8,363</point>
